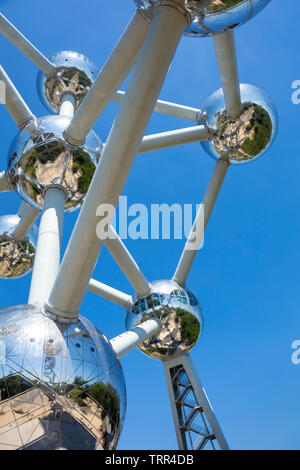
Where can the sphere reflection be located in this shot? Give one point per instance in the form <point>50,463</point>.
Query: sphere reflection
<point>212,16</point>
<point>61,385</point>
<point>40,156</point>
<point>16,256</point>
<point>245,137</point>
<point>180,314</point>
<point>74,73</point>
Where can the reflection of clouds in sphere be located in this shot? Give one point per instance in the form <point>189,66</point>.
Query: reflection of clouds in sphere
<point>245,137</point>
<point>61,386</point>
<point>74,73</point>
<point>39,156</point>
<point>211,16</point>
<point>179,312</point>
<point>16,256</point>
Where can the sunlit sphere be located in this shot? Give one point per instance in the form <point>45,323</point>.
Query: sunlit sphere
<point>211,16</point>
<point>61,385</point>
<point>16,256</point>
<point>40,156</point>
<point>246,137</point>
<point>180,314</point>
<point>74,74</point>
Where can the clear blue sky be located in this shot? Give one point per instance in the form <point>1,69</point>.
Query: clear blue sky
<point>247,276</point>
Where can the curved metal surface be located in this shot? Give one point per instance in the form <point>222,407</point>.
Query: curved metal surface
<point>39,156</point>
<point>16,256</point>
<point>180,314</point>
<point>61,385</point>
<point>212,16</point>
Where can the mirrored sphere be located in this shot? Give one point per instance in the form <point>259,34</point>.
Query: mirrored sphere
<point>16,256</point>
<point>61,385</point>
<point>40,156</point>
<point>179,312</point>
<point>243,138</point>
<point>212,16</point>
<point>74,74</point>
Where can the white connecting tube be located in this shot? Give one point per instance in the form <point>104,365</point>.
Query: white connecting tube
<point>127,341</point>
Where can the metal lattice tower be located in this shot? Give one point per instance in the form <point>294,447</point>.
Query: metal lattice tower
<point>61,382</point>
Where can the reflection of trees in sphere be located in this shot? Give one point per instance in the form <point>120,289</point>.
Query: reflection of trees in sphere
<point>245,137</point>
<point>16,256</point>
<point>61,385</point>
<point>40,156</point>
<point>74,73</point>
<point>179,312</point>
<point>211,16</point>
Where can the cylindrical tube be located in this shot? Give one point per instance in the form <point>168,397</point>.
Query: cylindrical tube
<point>127,341</point>
<point>224,45</point>
<point>172,138</point>
<point>110,293</point>
<point>168,108</point>
<point>47,257</point>
<point>14,102</point>
<point>67,105</point>
<point>127,264</point>
<point>203,215</point>
<point>17,39</point>
<point>117,158</point>
<point>27,219</point>
<point>109,79</point>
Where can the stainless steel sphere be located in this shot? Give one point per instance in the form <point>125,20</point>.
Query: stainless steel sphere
<point>40,156</point>
<point>179,312</point>
<point>61,385</point>
<point>246,137</point>
<point>212,16</point>
<point>74,74</point>
<point>16,257</point>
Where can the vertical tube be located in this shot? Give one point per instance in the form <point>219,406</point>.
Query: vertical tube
<point>224,45</point>
<point>67,105</point>
<point>109,79</point>
<point>210,197</point>
<point>47,257</point>
<point>113,169</point>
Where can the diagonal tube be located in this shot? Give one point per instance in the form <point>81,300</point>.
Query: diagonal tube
<point>20,42</point>
<point>120,253</point>
<point>204,213</point>
<point>109,79</point>
<point>14,102</point>
<point>28,215</point>
<point>127,341</point>
<point>109,293</point>
<point>225,50</point>
<point>168,108</point>
<point>118,156</point>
